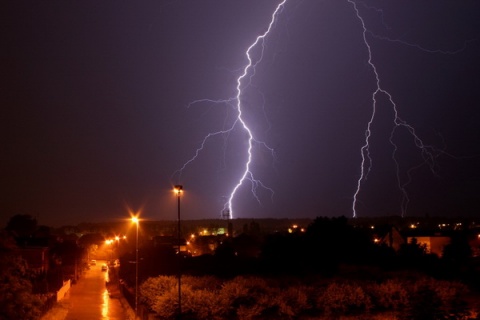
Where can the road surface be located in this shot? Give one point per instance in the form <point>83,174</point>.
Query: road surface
<point>89,298</point>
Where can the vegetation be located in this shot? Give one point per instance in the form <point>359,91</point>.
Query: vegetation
<point>29,281</point>
<point>17,300</point>
<point>330,270</point>
<point>245,298</point>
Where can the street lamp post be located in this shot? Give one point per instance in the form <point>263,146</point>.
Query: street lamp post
<point>136,221</point>
<point>178,191</point>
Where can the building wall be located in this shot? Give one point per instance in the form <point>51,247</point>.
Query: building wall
<point>434,245</point>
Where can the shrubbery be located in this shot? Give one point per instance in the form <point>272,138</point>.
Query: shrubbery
<point>17,300</point>
<point>246,298</point>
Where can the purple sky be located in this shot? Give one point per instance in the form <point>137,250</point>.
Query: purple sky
<point>96,115</point>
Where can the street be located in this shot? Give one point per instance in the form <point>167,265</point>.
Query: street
<point>89,298</point>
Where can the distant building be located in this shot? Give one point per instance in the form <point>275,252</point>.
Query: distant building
<point>433,244</point>
<point>200,245</point>
<point>434,240</point>
<point>170,242</point>
<point>393,239</point>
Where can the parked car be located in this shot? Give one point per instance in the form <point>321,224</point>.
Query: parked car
<point>93,262</point>
<point>104,267</point>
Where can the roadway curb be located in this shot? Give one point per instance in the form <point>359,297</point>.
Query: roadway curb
<point>129,312</point>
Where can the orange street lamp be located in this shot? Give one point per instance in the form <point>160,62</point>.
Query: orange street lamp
<point>136,221</point>
<point>178,189</point>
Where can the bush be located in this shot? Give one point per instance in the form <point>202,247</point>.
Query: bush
<point>166,304</point>
<point>204,282</point>
<point>437,299</point>
<point>389,296</point>
<point>202,304</point>
<point>424,305</point>
<point>249,298</point>
<point>153,288</point>
<point>17,300</point>
<point>292,301</point>
<point>344,298</point>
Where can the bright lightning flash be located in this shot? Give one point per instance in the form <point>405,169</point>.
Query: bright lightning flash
<point>243,81</point>
<point>428,153</point>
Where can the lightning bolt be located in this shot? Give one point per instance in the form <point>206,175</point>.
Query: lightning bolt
<point>243,82</point>
<point>428,153</point>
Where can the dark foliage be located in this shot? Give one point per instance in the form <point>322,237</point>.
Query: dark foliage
<point>17,300</point>
<point>326,245</point>
<point>91,239</point>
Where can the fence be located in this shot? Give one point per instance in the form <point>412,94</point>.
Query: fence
<point>63,290</point>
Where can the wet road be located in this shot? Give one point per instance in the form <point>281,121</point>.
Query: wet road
<point>89,299</point>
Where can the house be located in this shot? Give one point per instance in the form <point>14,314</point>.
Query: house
<point>393,239</point>
<point>433,244</point>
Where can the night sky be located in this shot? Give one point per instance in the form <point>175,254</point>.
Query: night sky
<point>102,101</point>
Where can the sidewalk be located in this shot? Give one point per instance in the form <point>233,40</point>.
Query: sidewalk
<point>59,310</point>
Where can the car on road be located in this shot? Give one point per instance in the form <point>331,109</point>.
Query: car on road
<point>104,267</point>
<point>93,262</point>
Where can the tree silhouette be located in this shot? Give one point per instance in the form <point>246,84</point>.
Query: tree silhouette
<point>16,298</point>
<point>22,225</point>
